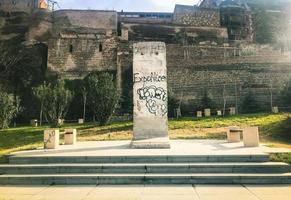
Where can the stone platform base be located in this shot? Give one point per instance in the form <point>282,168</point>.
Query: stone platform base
<point>153,143</point>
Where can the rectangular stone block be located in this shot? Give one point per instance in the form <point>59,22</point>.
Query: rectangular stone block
<point>232,111</point>
<point>199,114</point>
<point>70,136</point>
<point>207,112</point>
<point>275,109</point>
<point>219,113</point>
<point>251,137</point>
<point>233,134</point>
<point>61,121</point>
<point>80,121</point>
<point>150,114</point>
<point>51,139</point>
<point>33,122</point>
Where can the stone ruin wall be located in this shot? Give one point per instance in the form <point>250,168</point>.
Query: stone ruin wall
<point>82,42</point>
<point>77,57</point>
<point>189,83</point>
<point>85,20</point>
<point>18,5</point>
<point>193,70</point>
<point>195,16</point>
<point>172,33</point>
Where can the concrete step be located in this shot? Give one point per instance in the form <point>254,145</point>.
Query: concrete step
<point>138,159</point>
<point>118,179</point>
<point>129,168</point>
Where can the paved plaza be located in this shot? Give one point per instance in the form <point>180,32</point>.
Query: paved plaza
<point>178,147</point>
<point>148,192</point>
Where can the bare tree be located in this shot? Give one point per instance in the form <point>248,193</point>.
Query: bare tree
<point>224,98</point>
<point>8,60</point>
<point>271,94</point>
<point>84,94</point>
<point>40,92</point>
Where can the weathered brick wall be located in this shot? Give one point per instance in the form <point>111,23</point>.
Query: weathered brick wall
<point>189,76</point>
<point>18,5</point>
<point>145,20</point>
<point>124,66</point>
<point>190,83</point>
<point>83,41</point>
<point>76,57</point>
<point>173,34</point>
<point>192,70</point>
<point>85,20</point>
<point>196,16</point>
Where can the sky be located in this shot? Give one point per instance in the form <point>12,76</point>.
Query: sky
<point>125,5</point>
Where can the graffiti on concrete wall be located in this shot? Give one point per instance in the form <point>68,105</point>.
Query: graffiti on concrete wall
<point>49,139</point>
<point>156,99</point>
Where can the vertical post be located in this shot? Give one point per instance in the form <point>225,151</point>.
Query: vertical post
<point>224,100</point>
<point>271,95</point>
<point>119,73</point>
<point>236,98</point>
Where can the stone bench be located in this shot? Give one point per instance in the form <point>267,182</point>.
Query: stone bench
<point>51,139</point>
<point>232,111</point>
<point>250,136</point>
<point>199,114</point>
<point>233,134</point>
<point>70,136</point>
<point>275,110</point>
<point>80,121</point>
<point>33,122</point>
<point>207,112</point>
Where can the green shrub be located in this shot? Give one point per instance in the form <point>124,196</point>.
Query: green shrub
<point>9,108</point>
<point>55,100</point>
<point>102,95</point>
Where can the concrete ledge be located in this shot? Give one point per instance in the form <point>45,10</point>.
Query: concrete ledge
<point>126,179</point>
<point>154,143</point>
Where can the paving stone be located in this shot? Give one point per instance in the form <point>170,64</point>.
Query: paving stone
<point>270,189</point>
<point>168,190</point>
<point>65,192</point>
<point>228,197</point>
<point>22,190</point>
<point>169,197</point>
<point>221,190</point>
<point>149,192</point>
<point>15,197</point>
<point>117,192</point>
<point>274,197</point>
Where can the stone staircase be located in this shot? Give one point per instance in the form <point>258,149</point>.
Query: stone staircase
<point>160,169</point>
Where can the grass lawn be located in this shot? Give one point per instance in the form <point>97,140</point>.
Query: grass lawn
<point>281,157</point>
<point>275,130</point>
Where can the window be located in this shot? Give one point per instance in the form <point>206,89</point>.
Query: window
<point>71,48</point>
<point>100,47</point>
